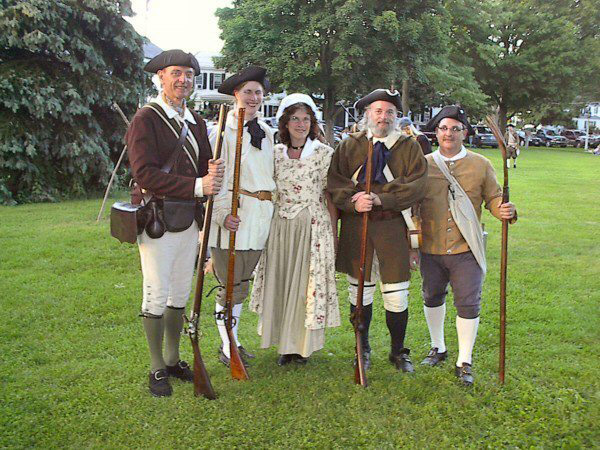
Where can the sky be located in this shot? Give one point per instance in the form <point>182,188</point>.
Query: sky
<point>190,25</point>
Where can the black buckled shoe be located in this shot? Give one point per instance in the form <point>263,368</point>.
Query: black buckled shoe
<point>464,374</point>
<point>434,357</point>
<point>182,371</point>
<point>285,359</point>
<point>159,383</point>
<point>402,361</point>
<point>366,360</point>
<point>225,360</point>
<point>245,354</point>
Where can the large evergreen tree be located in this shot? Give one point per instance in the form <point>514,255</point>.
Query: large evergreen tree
<point>63,64</point>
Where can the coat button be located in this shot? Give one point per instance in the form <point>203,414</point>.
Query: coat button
<point>449,230</point>
<point>448,251</point>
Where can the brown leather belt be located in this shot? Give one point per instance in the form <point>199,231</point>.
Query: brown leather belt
<point>261,195</point>
<point>383,215</point>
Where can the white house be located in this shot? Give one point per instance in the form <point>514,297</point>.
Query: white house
<point>207,96</point>
<point>589,117</point>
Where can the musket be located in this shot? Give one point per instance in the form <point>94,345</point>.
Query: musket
<point>202,384</point>
<point>504,249</point>
<point>114,172</point>
<point>238,370</point>
<point>360,376</point>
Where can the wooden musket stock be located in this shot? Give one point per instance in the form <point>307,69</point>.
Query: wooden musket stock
<point>504,250</point>
<point>360,376</point>
<point>202,384</point>
<point>238,370</point>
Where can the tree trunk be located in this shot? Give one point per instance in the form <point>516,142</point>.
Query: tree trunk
<point>405,99</point>
<point>502,112</point>
<point>329,115</point>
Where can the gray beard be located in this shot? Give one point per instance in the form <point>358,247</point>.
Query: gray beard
<point>374,129</point>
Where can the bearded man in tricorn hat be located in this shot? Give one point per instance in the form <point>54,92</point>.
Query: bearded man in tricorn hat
<point>163,128</point>
<point>399,177</point>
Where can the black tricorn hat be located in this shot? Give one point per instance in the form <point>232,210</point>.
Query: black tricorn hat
<point>250,73</point>
<point>173,58</point>
<point>386,95</point>
<point>450,112</point>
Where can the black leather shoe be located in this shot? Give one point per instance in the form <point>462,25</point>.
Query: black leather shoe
<point>434,357</point>
<point>285,359</point>
<point>299,359</point>
<point>366,360</point>
<point>244,353</point>
<point>464,374</point>
<point>402,361</point>
<point>159,383</point>
<point>225,360</point>
<point>182,371</point>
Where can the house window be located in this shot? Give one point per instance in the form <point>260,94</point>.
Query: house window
<point>219,77</point>
<point>211,78</point>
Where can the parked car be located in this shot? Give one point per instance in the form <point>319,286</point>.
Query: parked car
<point>574,137</point>
<point>534,141</point>
<point>484,137</point>
<point>550,138</point>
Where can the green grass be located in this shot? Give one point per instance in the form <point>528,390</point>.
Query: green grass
<point>73,359</point>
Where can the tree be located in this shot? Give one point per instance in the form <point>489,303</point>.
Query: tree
<point>332,49</point>
<point>63,64</point>
<point>522,53</point>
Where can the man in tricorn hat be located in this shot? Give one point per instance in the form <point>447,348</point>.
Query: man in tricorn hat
<point>255,211</point>
<point>453,249</point>
<point>170,160</point>
<point>399,177</point>
<point>512,145</point>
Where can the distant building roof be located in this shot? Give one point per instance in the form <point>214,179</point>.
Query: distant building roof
<point>151,50</point>
<point>206,60</point>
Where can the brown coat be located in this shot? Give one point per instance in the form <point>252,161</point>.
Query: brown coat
<point>387,236</point>
<point>149,145</point>
<point>476,176</point>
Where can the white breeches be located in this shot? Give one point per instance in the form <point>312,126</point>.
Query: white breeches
<point>167,269</point>
<point>395,295</point>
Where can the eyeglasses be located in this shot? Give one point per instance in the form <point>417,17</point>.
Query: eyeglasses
<point>454,129</point>
<point>295,119</point>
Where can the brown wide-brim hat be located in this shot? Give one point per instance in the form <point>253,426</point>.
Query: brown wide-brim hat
<point>386,95</point>
<point>450,112</point>
<point>172,58</point>
<point>250,73</point>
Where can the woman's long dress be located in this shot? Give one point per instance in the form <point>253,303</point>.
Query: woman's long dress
<point>294,287</point>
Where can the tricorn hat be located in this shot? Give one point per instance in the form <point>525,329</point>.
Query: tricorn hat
<point>450,112</point>
<point>173,58</point>
<point>250,73</point>
<point>386,95</point>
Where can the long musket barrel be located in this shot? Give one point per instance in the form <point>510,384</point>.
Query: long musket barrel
<point>504,250</point>
<point>360,376</point>
<point>238,370</point>
<point>202,384</point>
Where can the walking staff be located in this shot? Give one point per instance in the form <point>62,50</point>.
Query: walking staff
<point>202,384</point>
<point>504,249</point>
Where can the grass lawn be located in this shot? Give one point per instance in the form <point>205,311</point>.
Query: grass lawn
<point>74,361</point>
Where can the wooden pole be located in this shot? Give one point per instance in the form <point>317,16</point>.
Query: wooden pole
<point>503,252</point>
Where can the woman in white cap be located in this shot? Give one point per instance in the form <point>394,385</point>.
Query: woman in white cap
<point>294,287</point>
